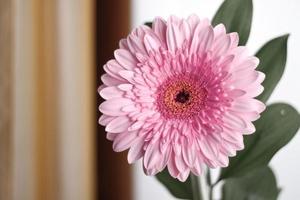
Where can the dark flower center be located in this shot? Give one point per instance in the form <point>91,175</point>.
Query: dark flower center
<point>182,96</point>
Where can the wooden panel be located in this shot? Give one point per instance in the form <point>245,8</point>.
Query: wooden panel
<point>36,123</point>
<point>46,74</point>
<point>6,85</point>
<point>77,98</point>
<point>24,101</point>
<point>54,100</point>
<point>114,173</point>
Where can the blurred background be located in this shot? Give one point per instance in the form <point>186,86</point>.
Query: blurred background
<point>51,58</point>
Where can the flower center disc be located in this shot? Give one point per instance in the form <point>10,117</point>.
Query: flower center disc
<point>181,97</point>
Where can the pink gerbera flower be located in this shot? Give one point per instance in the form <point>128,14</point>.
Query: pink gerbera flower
<point>181,95</point>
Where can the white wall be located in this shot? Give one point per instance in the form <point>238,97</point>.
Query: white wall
<point>271,18</point>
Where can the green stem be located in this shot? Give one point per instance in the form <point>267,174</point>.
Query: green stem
<point>211,186</point>
<point>196,187</point>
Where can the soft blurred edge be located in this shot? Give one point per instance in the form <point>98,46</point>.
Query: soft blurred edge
<point>47,148</point>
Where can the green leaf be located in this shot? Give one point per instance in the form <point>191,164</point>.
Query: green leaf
<point>276,127</point>
<point>148,24</point>
<point>181,190</point>
<point>272,58</point>
<point>260,184</point>
<point>236,15</point>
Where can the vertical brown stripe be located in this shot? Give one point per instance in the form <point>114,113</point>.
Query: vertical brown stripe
<point>46,73</point>
<point>6,85</point>
<point>114,173</point>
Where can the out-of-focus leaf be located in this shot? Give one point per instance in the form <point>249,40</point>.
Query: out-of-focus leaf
<point>148,24</point>
<point>236,15</point>
<point>259,184</point>
<point>182,190</point>
<point>272,58</point>
<point>276,127</point>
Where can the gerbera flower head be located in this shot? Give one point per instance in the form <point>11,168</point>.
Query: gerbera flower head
<point>180,94</point>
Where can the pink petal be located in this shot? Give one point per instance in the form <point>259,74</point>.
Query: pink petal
<point>202,40</point>
<point>197,168</point>
<point>232,136</point>
<point>248,105</point>
<point>118,125</point>
<point>112,107</point>
<point>126,74</point>
<point>193,21</point>
<point>261,77</point>
<point>223,160</point>
<point>206,36</point>
<point>151,43</point>
<point>207,150</point>
<point>228,148</point>
<point>180,164</point>
<point>111,92</point>
<point>189,154</point>
<point>250,128</point>
<point>136,151</point>
<point>111,136</point>
<point>137,125</point>
<point>235,93</point>
<point>219,30</point>
<point>221,45</point>
<point>234,121</point>
<point>125,58</point>
<point>129,108</point>
<point>183,175</point>
<point>125,87</point>
<point>174,20</point>
<point>254,91</point>
<point>172,166</point>
<point>242,80</point>
<point>165,156</point>
<point>109,80</point>
<point>152,155</point>
<point>104,120</point>
<point>112,68</point>
<point>123,141</point>
<point>123,44</point>
<point>136,44</point>
<point>174,40</point>
<point>159,27</point>
<point>234,38</point>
